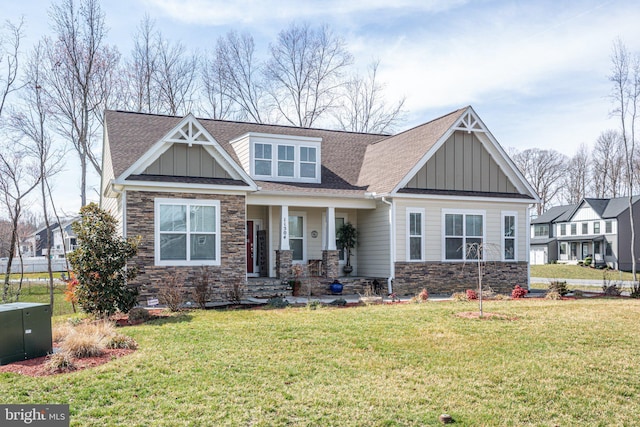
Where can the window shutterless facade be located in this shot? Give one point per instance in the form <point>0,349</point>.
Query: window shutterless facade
<point>291,162</point>
<point>415,234</point>
<point>563,229</point>
<point>596,227</point>
<point>297,236</point>
<point>574,229</point>
<point>608,227</point>
<point>463,235</point>
<point>187,232</point>
<point>585,228</point>
<point>541,230</point>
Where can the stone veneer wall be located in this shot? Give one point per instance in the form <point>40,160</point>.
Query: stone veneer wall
<point>447,278</point>
<point>331,263</point>
<point>351,285</point>
<point>284,262</point>
<point>140,222</point>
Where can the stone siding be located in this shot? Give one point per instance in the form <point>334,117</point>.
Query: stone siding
<point>284,262</point>
<point>447,278</point>
<point>232,268</point>
<point>331,264</point>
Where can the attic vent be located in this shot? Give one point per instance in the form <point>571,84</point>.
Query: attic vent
<point>469,122</point>
<point>189,133</point>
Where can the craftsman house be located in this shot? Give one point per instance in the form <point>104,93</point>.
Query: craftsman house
<point>596,228</point>
<point>250,200</point>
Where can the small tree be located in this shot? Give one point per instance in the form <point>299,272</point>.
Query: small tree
<point>347,237</point>
<point>99,264</point>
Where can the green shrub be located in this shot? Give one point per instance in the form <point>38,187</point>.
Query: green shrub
<point>587,261</point>
<point>314,304</point>
<point>635,290</point>
<point>99,264</point>
<point>559,287</point>
<point>139,314</point>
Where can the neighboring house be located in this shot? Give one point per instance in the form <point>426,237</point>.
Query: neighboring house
<point>251,200</point>
<point>599,228</point>
<point>62,241</point>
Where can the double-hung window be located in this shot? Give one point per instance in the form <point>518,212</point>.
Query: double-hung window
<point>262,158</point>
<point>187,232</point>
<point>286,161</point>
<point>415,234</point>
<point>509,227</point>
<point>463,235</point>
<point>608,227</point>
<point>585,228</point>
<point>308,162</point>
<point>596,227</point>
<point>296,236</point>
<point>563,229</point>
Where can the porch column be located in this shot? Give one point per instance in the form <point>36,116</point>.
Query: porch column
<point>330,259</point>
<point>330,226</point>
<point>284,256</point>
<point>284,228</point>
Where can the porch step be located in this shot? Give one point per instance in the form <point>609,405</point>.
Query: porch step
<point>268,290</point>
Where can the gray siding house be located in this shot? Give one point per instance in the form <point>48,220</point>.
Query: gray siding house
<point>250,201</point>
<point>599,228</point>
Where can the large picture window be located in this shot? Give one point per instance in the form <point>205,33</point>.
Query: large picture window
<point>415,234</point>
<point>187,232</point>
<point>463,235</point>
<point>509,227</point>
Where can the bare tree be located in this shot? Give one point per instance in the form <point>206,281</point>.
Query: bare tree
<point>239,74</point>
<point>607,165</point>
<point>29,123</point>
<point>576,179</point>
<point>625,79</point>
<point>305,73</point>
<point>142,68</point>
<point>219,104</point>
<point>544,169</point>
<point>17,180</point>
<point>363,106</point>
<point>10,37</point>
<point>78,64</point>
<point>176,77</point>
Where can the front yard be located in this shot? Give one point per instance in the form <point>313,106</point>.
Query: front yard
<point>559,363</point>
<point>568,271</point>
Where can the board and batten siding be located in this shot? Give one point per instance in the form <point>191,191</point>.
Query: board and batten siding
<point>462,163</point>
<point>434,232</point>
<point>374,252</point>
<point>182,160</point>
<point>585,213</point>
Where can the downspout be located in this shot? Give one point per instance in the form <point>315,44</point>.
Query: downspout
<point>528,246</point>
<point>392,242</point>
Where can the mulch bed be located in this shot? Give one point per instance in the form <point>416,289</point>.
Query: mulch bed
<point>36,367</point>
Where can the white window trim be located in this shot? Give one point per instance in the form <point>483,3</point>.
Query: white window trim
<point>464,232</point>
<point>408,236</point>
<point>304,259</point>
<point>295,162</point>
<point>515,237</point>
<point>289,142</point>
<point>156,231</point>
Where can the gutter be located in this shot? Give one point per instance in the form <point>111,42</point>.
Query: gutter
<point>392,242</point>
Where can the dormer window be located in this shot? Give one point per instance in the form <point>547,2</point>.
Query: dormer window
<point>283,158</point>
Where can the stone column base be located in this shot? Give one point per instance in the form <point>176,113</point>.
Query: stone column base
<point>284,261</point>
<point>331,264</point>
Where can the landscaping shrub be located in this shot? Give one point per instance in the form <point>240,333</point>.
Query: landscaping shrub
<point>139,314</point>
<point>81,345</point>
<point>277,302</point>
<point>500,297</point>
<point>587,261</point>
<point>472,295</point>
<point>122,341</point>
<point>553,295</point>
<point>202,291</point>
<point>171,293</point>
<point>635,290</point>
<point>559,287</point>
<point>612,290</point>
<point>58,362</point>
<point>99,264</point>
<point>518,292</point>
<point>459,296</point>
<point>423,296</point>
<point>314,304</point>
<point>487,292</point>
<point>340,302</point>
<point>578,293</point>
<point>235,291</point>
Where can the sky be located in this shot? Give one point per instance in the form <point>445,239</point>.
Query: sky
<point>536,72</point>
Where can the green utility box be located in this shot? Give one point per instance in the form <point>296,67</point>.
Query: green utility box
<point>25,331</point>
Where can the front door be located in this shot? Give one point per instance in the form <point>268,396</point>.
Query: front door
<point>585,249</point>
<point>250,244</point>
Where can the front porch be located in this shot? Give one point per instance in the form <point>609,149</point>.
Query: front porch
<point>268,287</point>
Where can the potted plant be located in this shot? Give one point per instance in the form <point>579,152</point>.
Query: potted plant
<point>347,237</point>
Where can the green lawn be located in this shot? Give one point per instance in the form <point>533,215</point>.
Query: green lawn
<point>566,271</point>
<point>38,292</point>
<point>562,363</point>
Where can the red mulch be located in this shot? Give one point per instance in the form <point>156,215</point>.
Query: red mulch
<point>485,315</point>
<point>36,367</point>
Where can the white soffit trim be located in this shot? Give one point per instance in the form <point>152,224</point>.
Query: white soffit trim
<point>400,196</point>
<point>196,134</point>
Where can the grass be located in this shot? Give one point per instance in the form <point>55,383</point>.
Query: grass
<point>567,271</point>
<point>562,363</point>
<point>39,292</point>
